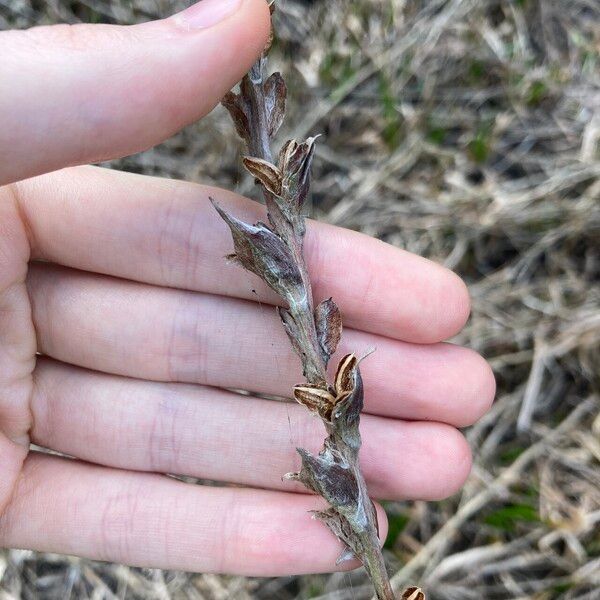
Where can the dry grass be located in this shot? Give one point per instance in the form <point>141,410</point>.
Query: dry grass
<point>469,132</point>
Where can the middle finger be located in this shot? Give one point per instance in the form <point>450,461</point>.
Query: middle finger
<point>162,334</point>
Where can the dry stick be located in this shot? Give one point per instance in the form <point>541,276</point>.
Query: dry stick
<point>274,252</point>
<point>476,503</point>
<point>426,31</point>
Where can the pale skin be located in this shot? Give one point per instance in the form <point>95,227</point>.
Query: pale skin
<point>121,323</point>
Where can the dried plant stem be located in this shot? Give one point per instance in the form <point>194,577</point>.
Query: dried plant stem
<point>275,253</point>
<point>302,310</point>
<point>258,138</point>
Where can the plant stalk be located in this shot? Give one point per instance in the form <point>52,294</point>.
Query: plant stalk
<point>275,253</point>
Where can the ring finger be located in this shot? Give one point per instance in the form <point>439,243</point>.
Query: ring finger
<point>214,434</point>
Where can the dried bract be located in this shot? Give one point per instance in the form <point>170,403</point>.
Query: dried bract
<point>275,96</point>
<point>239,112</point>
<point>328,320</point>
<point>262,251</point>
<point>295,161</point>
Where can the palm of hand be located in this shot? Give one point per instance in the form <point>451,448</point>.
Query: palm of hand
<point>118,283</point>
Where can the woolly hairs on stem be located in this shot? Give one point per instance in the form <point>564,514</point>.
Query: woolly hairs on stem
<point>274,252</point>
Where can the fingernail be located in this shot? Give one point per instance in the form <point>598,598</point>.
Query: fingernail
<point>207,13</point>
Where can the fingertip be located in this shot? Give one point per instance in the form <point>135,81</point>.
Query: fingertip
<point>465,387</point>
<point>247,32</point>
<point>261,20</point>
<point>382,523</point>
<point>415,460</point>
<point>453,453</point>
<point>205,63</point>
<point>452,303</point>
<point>483,390</point>
<point>460,305</point>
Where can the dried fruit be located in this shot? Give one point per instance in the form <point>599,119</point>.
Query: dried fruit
<point>413,593</point>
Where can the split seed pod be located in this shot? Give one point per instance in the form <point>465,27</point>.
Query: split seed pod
<point>413,593</point>
<point>322,400</point>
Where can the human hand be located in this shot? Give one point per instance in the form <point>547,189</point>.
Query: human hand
<point>118,282</point>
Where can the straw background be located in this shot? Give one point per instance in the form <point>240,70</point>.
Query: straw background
<point>468,132</point>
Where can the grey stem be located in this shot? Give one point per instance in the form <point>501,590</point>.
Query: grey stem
<point>304,315</point>
<point>275,253</point>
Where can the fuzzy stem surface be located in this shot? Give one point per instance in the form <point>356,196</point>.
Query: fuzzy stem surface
<point>274,251</point>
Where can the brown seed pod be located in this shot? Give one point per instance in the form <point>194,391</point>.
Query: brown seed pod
<point>315,398</point>
<point>344,377</point>
<point>413,593</point>
<point>269,175</point>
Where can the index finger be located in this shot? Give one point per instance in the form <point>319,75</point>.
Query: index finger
<point>166,233</point>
